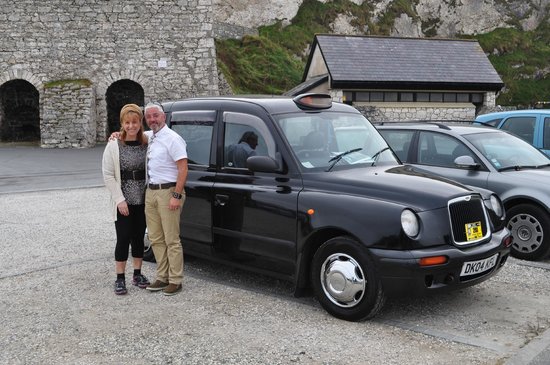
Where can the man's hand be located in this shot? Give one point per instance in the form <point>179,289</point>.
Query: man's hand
<point>114,136</point>
<point>174,203</point>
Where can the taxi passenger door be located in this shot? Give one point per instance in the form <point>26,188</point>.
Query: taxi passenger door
<point>197,129</point>
<point>254,213</point>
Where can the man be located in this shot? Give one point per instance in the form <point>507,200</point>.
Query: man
<point>239,153</point>
<point>164,198</point>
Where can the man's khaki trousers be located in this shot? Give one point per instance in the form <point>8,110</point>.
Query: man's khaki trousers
<point>163,226</point>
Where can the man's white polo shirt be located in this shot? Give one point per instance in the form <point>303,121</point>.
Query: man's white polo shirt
<point>165,148</point>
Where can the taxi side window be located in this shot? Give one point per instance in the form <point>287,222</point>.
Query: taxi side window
<point>245,135</point>
<point>196,128</point>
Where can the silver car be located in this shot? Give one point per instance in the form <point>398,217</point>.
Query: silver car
<point>489,158</point>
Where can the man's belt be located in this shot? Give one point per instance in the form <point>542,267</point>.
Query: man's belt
<point>133,175</point>
<point>161,186</point>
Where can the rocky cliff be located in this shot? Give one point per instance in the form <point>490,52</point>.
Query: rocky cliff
<point>441,18</point>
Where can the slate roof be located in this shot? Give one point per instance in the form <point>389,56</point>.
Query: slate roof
<point>307,85</point>
<point>412,63</point>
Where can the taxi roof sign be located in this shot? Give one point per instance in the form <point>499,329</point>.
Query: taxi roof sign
<point>313,101</point>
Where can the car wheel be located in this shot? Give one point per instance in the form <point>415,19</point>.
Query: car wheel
<point>344,280</point>
<point>530,228</point>
<point>147,250</point>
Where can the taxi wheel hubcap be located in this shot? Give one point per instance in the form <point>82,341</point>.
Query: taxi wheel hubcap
<point>527,233</point>
<point>343,280</point>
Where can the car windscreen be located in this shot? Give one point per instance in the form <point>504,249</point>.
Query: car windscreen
<point>505,151</point>
<point>322,140</point>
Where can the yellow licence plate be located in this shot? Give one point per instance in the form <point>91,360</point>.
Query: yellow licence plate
<point>473,231</point>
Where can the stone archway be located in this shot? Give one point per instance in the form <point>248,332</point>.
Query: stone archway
<point>120,93</point>
<point>19,112</point>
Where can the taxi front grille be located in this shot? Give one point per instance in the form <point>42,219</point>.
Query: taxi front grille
<point>468,220</point>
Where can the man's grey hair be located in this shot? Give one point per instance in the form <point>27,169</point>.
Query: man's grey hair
<point>153,105</point>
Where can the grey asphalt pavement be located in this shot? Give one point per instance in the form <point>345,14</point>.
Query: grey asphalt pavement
<point>31,168</point>
<point>58,307</point>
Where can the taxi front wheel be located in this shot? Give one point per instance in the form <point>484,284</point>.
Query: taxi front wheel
<point>344,280</point>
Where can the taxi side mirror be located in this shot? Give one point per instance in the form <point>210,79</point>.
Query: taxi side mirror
<point>262,164</point>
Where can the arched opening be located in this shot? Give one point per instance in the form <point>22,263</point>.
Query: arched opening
<point>120,93</point>
<point>19,112</point>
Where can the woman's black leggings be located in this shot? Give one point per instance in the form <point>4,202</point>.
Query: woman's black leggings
<point>130,231</point>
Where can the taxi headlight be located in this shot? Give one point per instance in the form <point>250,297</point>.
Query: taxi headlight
<point>410,223</point>
<point>496,205</point>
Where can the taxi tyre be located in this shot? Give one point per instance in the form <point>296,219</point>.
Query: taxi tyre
<point>530,229</point>
<point>344,280</point>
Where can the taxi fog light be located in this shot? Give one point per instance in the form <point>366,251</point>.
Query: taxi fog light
<point>433,260</point>
<point>410,223</point>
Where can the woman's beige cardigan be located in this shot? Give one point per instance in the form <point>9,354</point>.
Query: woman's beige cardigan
<point>111,175</point>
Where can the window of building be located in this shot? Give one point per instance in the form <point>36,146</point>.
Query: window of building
<point>406,97</point>
<point>449,97</point>
<point>376,96</point>
<point>436,97</point>
<point>477,98</point>
<point>422,97</point>
<point>390,96</point>
<point>462,98</point>
<point>362,96</point>
<point>419,97</point>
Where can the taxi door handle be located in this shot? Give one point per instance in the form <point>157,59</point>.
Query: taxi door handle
<point>220,200</point>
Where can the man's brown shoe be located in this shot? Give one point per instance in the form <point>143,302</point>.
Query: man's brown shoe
<point>172,289</point>
<point>157,286</point>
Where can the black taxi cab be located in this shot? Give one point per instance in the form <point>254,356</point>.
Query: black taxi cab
<point>324,203</point>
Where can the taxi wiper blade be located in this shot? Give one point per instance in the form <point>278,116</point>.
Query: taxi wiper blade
<point>377,154</point>
<point>338,157</point>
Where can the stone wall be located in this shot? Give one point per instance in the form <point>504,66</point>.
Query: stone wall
<point>68,117</point>
<point>395,112</point>
<point>167,47</point>
<point>400,113</point>
<point>223,30</point>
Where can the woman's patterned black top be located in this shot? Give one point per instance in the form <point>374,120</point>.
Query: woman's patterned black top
<point>132,157</point>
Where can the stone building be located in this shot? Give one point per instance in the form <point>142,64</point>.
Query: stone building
<point>67,67</point>
<point>393,78</point>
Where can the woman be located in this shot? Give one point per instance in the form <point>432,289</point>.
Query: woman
<point>124,176</point>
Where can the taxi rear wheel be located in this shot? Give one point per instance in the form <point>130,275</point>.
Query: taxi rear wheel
<point>530,228</point>
<point>344,280</point>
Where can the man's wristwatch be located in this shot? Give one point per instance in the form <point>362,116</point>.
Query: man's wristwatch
<point>176,195</point>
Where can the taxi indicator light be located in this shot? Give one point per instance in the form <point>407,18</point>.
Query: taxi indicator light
<point>508,241</point>
<point>310,211</point>
<point>433,260</point>
<point>313,101</point>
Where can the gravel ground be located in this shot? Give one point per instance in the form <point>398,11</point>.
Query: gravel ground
<point>57,273</point>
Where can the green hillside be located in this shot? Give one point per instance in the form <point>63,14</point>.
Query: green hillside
<point>273,61</point>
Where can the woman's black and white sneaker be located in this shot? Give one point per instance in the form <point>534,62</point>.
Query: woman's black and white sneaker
<point>120,287</point>
<point>140,281</point>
